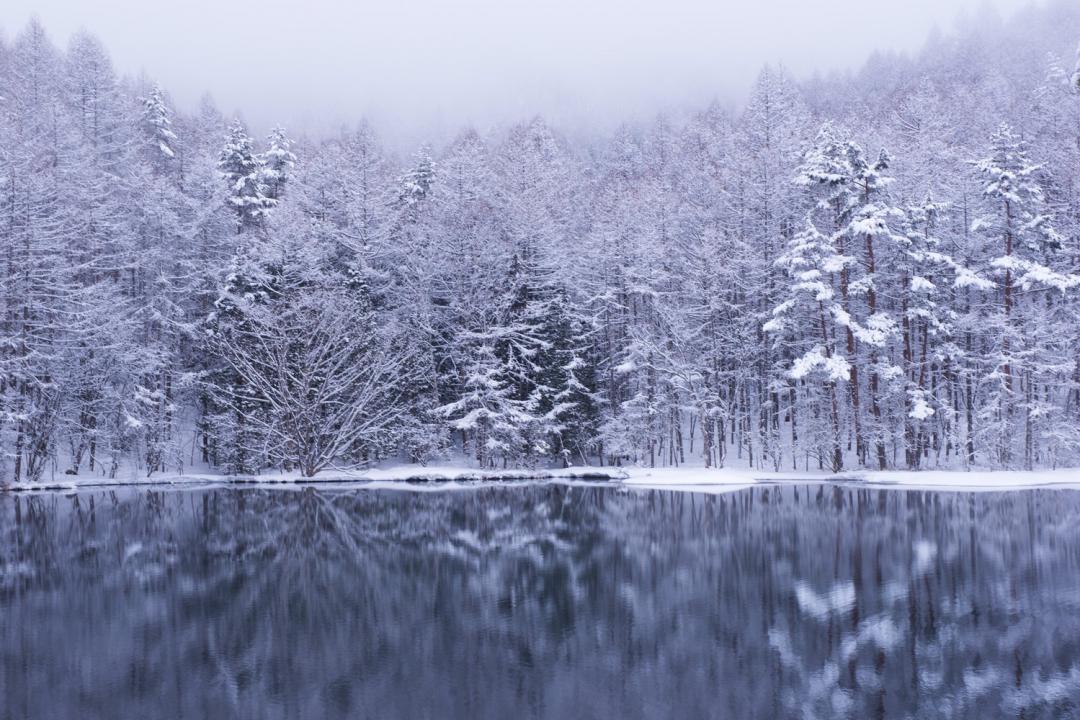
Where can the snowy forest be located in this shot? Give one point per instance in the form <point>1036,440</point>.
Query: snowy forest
<point>874,269</point>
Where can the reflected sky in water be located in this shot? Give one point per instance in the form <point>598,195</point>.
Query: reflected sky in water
<point>540,602</point>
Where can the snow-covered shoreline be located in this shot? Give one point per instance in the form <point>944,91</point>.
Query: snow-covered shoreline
<point>399,476</point>
<point>973,480</point>
<point>731,479</point>
<point>684,479</point>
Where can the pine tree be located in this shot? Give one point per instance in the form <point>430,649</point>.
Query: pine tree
<point>242,172</point>
<point>927,320</point>
<point>498,425</point>
<point>851,206</point>
<point>233,417</point>
<point>416,183</point>
<point>805,324</point>
<point>568,404</point>
<point>157,128</point>
<point>1022,363</point>
<point>871,222</point>
<point>276,165</point>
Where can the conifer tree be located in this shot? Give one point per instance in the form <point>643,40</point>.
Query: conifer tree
<point>1024,356</point>
<point>242,172</point>
<point>157,128</point>
<point>276,165</point>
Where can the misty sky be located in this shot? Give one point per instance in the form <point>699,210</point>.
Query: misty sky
<point>422,68</point>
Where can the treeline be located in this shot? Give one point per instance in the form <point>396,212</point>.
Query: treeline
<point>764,287</point>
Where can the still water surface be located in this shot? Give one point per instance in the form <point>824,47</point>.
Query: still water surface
<point>540,602</point>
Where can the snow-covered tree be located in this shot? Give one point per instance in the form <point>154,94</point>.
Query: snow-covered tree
<point>157,127</point>
<point>497,426</point>
<point>242,172</point>
<point>321,385</point>
<point>661,295</point>
<point>1027,361</point>
<point>276,165</point>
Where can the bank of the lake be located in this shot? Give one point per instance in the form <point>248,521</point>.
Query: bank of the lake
<point>686,478</point>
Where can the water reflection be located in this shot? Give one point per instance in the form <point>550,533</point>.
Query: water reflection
<point>542,602</point>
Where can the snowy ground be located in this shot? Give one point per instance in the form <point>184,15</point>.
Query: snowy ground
<point>728,480</point>
<point>976,479</point>
<point>699,480</point>
<point>685,479</point>
<point>415,477</point>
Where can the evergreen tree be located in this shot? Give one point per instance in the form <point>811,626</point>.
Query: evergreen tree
<point>806,324</point>
<point>497,425</point>
<point>157,128</point>
<point>242,172</point>
<point>276,165</point>
<point>1025,360</point>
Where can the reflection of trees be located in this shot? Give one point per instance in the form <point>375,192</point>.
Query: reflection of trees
<point>540,602</point>
<point>963,607</point>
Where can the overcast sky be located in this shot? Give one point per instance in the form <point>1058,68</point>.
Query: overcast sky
<point>420,68</point>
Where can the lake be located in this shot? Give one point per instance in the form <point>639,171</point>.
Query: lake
<point>540,601</point>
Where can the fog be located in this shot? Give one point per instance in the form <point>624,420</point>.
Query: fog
<point>423,68</point>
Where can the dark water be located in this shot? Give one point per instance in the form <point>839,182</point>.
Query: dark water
<point>540,602</point>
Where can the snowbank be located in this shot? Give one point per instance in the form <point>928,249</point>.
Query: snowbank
<point>716,480</point>
<point>398,476</point>
<point>731,479</point>
<point>699,480</point>
<point>684,479</point>
<point>975,479</point>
